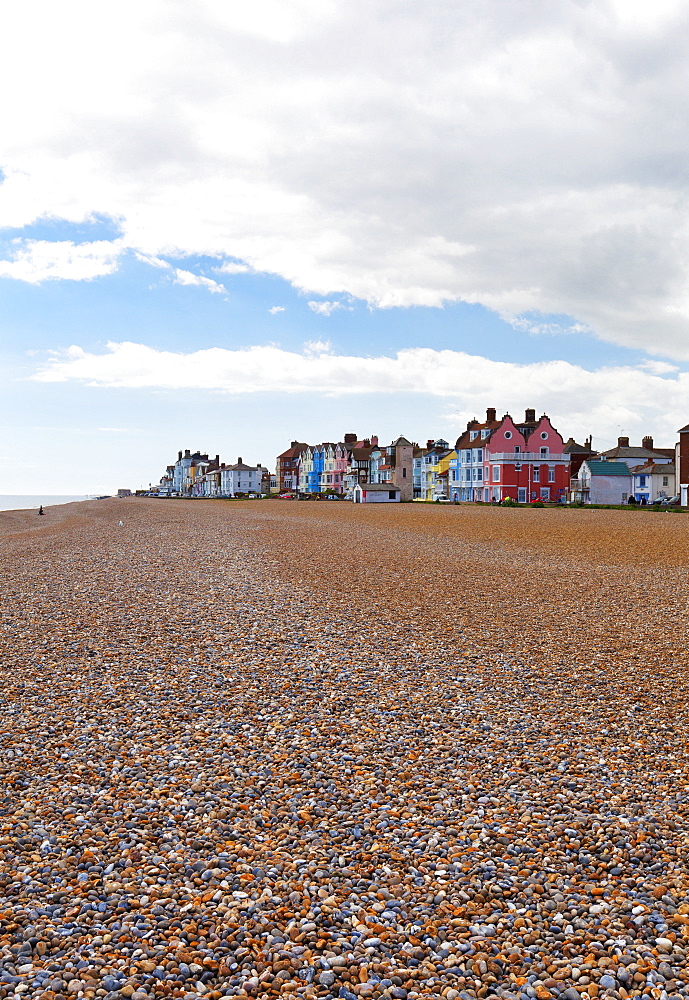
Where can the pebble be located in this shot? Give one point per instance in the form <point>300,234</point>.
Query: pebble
<point>323,751</point>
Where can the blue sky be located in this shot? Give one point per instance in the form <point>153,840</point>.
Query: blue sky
<point>255,243</point>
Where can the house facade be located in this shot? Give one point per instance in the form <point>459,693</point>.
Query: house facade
<point>287,468</point>
<point>500,458</point>
<point>603,482</point>
<point>376,493</point>
<point>653,481</point>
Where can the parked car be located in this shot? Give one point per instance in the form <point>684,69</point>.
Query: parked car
<point>670,501</point>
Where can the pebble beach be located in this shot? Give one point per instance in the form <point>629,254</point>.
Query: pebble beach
<point>322,750</point>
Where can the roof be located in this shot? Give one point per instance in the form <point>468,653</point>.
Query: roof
<point>608,468</point>
<point>465,441</point>
<point>659,468</point>
<point>401,442</point>
<point>378,487</point>
<point>684,430</point>
<point>628,452</point>
<point>294,452</point>
<point>572,447</point>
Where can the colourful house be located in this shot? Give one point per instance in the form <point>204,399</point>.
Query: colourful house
<point>500,458</point>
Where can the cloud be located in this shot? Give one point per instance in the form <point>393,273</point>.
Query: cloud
<point>315,347</point>
<point>526,155</point>
<point>325,308</point>
<point>189,278</point>
<point>604,401</point>
<point>233,267</point>
<point>34,261</point>
<point>276,309</point>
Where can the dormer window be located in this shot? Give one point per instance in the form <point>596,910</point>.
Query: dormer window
<point>485,433</point>
<point>473,435</point>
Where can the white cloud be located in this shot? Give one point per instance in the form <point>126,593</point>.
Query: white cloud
<point>314,347</point>
<point>605,401</point>
<point>526,155</point>
<point>276,309</point>
<point>232,267</point>
<point>189,278</point>
<point>40,260</point>
<point>324,308</point>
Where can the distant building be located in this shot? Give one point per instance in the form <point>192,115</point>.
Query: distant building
<point>524,460</point>
<point>377,493</point>
<point>603,482</point>
<point>682,465</point>
<point>631,455</point>
<point>124,493</point>
<point>287,468</point>
<point>653,481</point>
<point>240,478</point>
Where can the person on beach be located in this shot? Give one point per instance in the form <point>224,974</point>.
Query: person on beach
<point>40,510</point>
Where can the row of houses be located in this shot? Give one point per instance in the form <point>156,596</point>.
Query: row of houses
<point>493,460</point>
<point>194,474</point>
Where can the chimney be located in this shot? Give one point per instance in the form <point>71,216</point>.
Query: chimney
<point>350,439</point>
<point>470,423</point>
<point>623,442</point>
<point>367,442</point>
<point>530,417</point>
<point>179,456</point>
<point>239,460</point>
<point>647,442</point>
<point>217,459</point>
<point>187,454</point>
<point>430,443</point>
<point>490,414</point>
<point>374,441</point>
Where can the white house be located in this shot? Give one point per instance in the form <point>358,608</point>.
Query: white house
<point>376,493</point>
<point>652,481</point>
<point>240,478</point>
<point>604,482</point>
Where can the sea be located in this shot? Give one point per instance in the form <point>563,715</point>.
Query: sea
<point>10,502</point>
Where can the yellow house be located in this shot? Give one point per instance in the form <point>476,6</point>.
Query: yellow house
<point>437,479</point>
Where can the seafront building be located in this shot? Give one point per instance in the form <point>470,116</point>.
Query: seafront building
<point>497,459</point>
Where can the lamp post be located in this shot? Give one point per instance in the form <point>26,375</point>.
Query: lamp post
<point>518,469</point>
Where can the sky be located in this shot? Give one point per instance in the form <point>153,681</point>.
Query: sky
<point>228,225</point>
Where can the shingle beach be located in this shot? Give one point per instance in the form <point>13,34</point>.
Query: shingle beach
<point>316,750</point>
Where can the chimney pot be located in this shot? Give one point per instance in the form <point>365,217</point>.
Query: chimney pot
<point>647,442</point>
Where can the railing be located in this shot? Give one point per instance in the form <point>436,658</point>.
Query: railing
<point>524,456</point>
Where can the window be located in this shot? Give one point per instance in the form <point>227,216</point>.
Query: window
<point>666,481</point>
<point>479,454</point>
<point>404,473</point>
<point>642,480</point>
<point>508,435</point>
<point>391,495</point>
<point>479,475</point>
<point>551,473</point>
<point>485,433</point>
<point>544,435</point>
<point>496,473</point>
<point>545,493</point>
<point>536,475</point>
<point>521,494</point>
<point>473,435</point>
<point>517,449</point>
<point>544,451</point>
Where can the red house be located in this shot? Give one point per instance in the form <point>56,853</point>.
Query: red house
<point>523,459</point>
